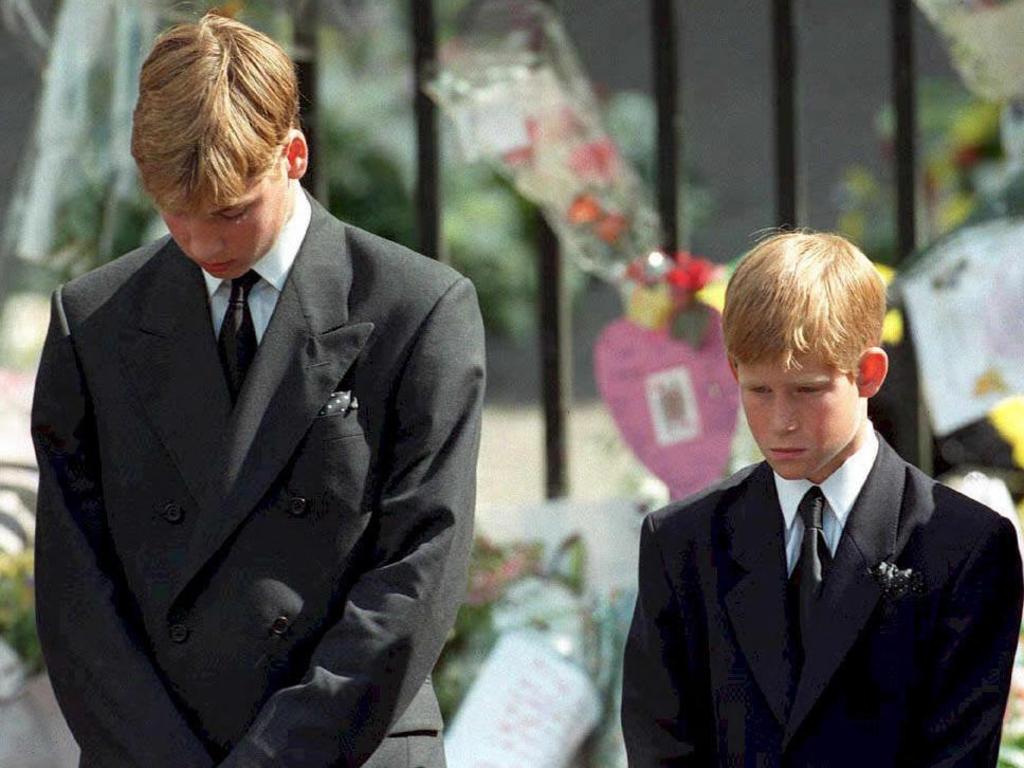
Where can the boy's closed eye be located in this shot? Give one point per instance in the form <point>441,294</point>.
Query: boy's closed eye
<point>231,214</point>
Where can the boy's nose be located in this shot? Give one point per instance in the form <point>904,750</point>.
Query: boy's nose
<point>204,246</point>
<point>784,420</point>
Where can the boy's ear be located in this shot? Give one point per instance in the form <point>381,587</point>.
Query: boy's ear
<point>296,154</point>
<point>871,371</point>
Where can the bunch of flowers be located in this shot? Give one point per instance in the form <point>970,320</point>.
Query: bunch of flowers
<point>17,609</point>
<point>985,39</point>
<point>520,585</point>
<point>493,569</point>
<point>960,150</point>
<point>663,292</point>
<point>519,99</point>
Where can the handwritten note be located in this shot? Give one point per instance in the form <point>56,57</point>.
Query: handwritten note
<point>527,707</point>
<point>966,304</point>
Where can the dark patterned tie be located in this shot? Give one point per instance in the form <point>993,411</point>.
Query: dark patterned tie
<point>237,340</point>
<point>815,560</point>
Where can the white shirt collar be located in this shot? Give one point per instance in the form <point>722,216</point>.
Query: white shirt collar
<point>277,262</point>
<point>840,489</point>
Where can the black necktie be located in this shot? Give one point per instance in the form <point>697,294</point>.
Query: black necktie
<point>815,559</point>
<point>237,340</point>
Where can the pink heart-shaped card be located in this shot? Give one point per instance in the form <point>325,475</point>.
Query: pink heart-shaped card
<point>675,405</point>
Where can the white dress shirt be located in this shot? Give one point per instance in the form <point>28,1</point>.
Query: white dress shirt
<point>273,270</point>
<point>840,489</point>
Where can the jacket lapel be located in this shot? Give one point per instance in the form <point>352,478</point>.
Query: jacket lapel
<point>851,592</point>
<point>170,359</point>
<point>755,593</point>
<point>305,352</point>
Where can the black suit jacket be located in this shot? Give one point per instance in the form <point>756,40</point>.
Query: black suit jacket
<point>919,679</point>
<point>268,585</point>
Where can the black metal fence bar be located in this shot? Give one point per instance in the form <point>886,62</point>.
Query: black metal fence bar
<point>555,356</point>
<point>306,25</point>
<point>666,63</point>
<point>784,54</point>
<point>428,193</point>
<point>906,125</point>
<point>555,349</point>
<point>916,443</point>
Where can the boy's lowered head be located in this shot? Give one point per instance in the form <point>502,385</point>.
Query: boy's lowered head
<point>216,139</point>
<point>803,326</point>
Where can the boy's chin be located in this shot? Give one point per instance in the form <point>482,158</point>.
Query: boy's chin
<point>789,470</point>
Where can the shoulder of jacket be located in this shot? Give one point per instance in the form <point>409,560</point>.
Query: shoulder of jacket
<point>85,293</point>
<point>402,265</point>
<point>968,520</point>
<point>695,512</point>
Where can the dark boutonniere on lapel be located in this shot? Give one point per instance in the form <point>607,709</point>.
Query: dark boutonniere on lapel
<point>896,582</point>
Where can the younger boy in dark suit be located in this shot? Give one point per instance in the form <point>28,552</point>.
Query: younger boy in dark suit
<point>831,606</point>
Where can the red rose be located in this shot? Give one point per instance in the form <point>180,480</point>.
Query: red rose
<point>690,273</point>
<point>596,160</point>
<point>611,227</point>
<point>584,210</point>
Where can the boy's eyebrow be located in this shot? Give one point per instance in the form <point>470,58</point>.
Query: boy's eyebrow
<point>235,207</point>
<point>242,202</point>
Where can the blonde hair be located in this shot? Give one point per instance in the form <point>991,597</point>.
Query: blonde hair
<point>216,102</point>
<point>803,294</point>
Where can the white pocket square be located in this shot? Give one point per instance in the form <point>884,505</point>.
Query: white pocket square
<point>341,401</point>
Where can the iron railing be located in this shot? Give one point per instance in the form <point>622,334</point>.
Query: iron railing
<point>909,432</point>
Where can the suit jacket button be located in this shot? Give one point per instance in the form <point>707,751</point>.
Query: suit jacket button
<point>179,633</point>
<point>280,625</point>
<point>173,513</point>
<point>297,506</point>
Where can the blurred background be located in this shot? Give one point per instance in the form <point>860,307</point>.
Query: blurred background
<point>554,557</point>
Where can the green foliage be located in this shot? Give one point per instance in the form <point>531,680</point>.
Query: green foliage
<point>365,184</point>
<point>490,233</point>
<point>93,227</point>
<point>17,609</point>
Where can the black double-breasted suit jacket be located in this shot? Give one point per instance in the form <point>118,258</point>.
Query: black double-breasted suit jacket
<point>269,584</point>
<point>909,670</point>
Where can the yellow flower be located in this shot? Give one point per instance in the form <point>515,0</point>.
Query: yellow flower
<point>650,307</point>
<point>887,272</point>
<point>713,294</point>
<point>892,327</point>
<point>1007,417</point>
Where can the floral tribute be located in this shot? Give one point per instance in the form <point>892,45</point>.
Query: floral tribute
<point>985,39</point>
<point>520,585</point>
<point>663,374</point>
<point>664,291</point>
<point>512,86</point>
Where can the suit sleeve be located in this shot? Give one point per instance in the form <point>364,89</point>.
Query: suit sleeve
<point>108,688</point>
<point>659,717</point>
<point>369,665</point>
<point>969,678</point>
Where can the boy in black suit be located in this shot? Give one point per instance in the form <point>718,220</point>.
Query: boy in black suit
<point>257,444</point>
<point>831,606</point>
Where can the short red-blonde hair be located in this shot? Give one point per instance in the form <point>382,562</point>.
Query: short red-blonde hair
<point>804,294</point>
<point>216,101</point>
